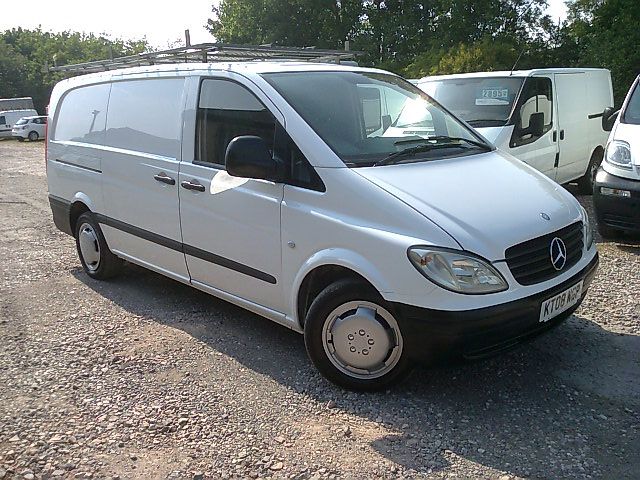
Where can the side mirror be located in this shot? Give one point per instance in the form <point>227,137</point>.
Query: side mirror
<point>536,124</point>
<point>248,157</point>
<point>609,117</point>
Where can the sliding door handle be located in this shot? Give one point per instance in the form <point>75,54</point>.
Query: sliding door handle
<point>193,185</point>
<point>164,178</point>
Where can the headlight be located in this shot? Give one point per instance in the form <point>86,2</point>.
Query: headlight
<point>457,271</point>
<point>588,232</point>
<point>619,154</point>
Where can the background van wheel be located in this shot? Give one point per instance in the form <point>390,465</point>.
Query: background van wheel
<point>96,258</point>
<point>608,232</point>
<point>33,136</point>
<point>588,180</point>
<point>353,338</point>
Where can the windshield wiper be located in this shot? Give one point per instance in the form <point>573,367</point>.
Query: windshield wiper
<point>393,158</point>
<point>499,121</point>
<point>441,138</point>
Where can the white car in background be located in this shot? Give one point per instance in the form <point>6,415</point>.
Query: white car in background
<point>32,128</point>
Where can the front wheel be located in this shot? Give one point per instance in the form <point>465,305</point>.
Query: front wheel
<point>33,136</point>
<point>353,339</point>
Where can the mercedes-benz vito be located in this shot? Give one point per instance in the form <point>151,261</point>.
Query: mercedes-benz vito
<point>286,189</point>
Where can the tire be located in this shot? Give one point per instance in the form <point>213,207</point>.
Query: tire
<point>33,136</point>
<point>96,258</point>
<point>608,232</point>
<point>372,336</point>
<point>588,180</point>
<point>20,139</point>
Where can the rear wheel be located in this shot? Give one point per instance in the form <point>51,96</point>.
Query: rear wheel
<point>33,136</point>
<point>353,338</point>
<point>96,258</point>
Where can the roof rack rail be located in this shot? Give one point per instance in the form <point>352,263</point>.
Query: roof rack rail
<point>208,53</point>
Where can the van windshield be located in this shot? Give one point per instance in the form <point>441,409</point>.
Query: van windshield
<point>367,117</point>
<point>481,102</point>
<point>632,112</point>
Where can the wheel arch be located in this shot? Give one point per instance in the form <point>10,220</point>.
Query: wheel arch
<point>323,269</point>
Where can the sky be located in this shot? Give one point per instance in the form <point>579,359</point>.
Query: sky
<point>162,23</point>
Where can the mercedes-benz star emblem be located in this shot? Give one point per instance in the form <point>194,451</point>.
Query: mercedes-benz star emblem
<point>545,216</point>
<point>558,252</point>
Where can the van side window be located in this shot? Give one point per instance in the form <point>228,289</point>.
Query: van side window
<point>3,120</point>
<point>227,110</point>
<point>146,116</point>
<point>534,111</point>
<point>82,115</point>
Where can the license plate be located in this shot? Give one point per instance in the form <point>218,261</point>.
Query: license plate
<point>560,303</point>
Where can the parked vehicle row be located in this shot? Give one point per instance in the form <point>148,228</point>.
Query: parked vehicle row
<point>8,118</point>
<point>310,194</point>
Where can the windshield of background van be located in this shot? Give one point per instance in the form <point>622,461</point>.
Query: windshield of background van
<point>364,117</point>
<point>481,102</point>
<point>632,112</point>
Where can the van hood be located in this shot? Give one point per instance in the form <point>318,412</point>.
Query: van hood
<point>486,202</point>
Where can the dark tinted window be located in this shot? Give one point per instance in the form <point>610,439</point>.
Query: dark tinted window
<point>536,98</point>
<point>632,112</point>
<point>227,110</point>
<point>3,120</point>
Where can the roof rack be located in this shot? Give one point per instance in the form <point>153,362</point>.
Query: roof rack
<point>211,52</point>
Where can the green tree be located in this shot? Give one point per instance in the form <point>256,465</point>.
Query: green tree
<point>24,53</point>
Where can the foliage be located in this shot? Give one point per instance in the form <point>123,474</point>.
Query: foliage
<point>24,53</point>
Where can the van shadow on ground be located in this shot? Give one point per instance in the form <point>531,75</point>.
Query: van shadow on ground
<point>557,407</point>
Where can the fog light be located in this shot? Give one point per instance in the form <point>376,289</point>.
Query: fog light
<point>616,192</point>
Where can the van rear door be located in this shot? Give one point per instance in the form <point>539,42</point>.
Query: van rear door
<point>573,141</point>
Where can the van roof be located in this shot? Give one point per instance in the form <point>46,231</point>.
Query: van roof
<point>515,73</point>
<point>252,67</point>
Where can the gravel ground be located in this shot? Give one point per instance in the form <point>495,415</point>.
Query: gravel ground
<point>143,377</point>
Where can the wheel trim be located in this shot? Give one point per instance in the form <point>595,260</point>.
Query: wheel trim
<point>89,246</point>
<point>362,340</point>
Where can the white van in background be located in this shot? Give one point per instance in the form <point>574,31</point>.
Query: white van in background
<point>279,187</point>
<point>9,118</point>
<point>616,196</point>
<point>551,119</point>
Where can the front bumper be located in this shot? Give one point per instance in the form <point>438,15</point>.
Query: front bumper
<point>19,133</point>
<point>621,213</point>
<point>430,334</point>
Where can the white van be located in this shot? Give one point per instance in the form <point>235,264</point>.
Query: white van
<point>10,117</point>
<point>273,186</point>
<point>551,119</point>
<point>617,192</point>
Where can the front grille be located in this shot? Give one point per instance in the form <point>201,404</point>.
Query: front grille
<point>530,261</point>
<point>623,222</point>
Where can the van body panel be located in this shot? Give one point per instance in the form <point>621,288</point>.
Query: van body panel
<point>459,204</point>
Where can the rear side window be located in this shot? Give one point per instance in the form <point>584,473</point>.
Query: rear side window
<point>3,120</point>
<point>82,115</point>
<point>227,110</point>
<point>146,115</point>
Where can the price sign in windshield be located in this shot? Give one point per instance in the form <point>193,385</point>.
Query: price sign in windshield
<point>493,96</point>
